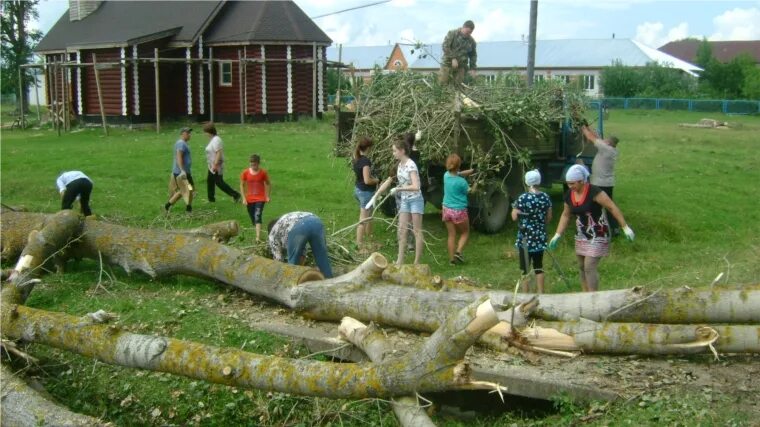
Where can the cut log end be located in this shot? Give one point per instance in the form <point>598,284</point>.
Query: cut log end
<point>310,276</point>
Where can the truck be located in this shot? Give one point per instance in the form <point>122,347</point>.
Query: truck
<point>489,204</point>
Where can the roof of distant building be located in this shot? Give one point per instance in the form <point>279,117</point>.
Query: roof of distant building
<point>577,53</point>
<point>367,57</point>
<point>723,51</point>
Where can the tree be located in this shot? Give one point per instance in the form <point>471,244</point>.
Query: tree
<point>18,43</point>
<point>704,54</point>
<point>620,80</point>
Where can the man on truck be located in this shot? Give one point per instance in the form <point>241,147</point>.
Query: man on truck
<point>603,166</point>
<point>459,54</point>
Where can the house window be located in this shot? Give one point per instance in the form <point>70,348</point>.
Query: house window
<point>564,78</point>
<point>397,63</point>
<point>225,73</point>
<point>538,78</point>
<point>588,82</point>
<point>490,78</point>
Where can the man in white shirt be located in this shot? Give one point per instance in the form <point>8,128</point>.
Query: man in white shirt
<point>75,185</point>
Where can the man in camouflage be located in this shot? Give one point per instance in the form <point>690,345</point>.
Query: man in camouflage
<point>459,54</point>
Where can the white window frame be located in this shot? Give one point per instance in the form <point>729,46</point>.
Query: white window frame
<point>222,73</point>
<point>538,78</point>
<point>398,64</point>
<point>589,81</point>
<point>490,78</point>
<point>565,78</point>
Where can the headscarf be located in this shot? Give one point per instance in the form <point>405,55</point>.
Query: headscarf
<point>532,178</point>
<point>577,173</point>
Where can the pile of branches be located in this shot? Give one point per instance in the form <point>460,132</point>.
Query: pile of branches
<point>396,103</point>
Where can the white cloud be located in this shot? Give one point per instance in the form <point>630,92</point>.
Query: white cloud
<point>403,3</point>
<point>652,33</point>
<point>498,25</point>
<point>737,24</point>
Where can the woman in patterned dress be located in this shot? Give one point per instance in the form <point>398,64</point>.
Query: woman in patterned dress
<point>592,235</point>
<point>534,210</point>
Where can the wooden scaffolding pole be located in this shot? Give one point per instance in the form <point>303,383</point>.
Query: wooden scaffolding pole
<point>340,74</point>
<point>55,103</point>
<point>240,85</point>
<point>100,93</point>
<point>211,84</point>
<point>22,116</point>
<point>314,80</point>
<point>157,90</point>
<point>37,97</point>
<point>66,107</point>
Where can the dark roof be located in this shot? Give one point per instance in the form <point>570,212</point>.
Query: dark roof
<point>126,22</point>
<point>120,23</point>
<point>723,51</point>
<point>264,21</point>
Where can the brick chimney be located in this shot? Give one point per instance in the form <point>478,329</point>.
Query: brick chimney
<point>79,9</point>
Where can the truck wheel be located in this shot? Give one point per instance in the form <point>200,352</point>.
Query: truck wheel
<point>492,210</point>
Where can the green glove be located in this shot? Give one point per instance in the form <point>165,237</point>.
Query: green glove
<point>554,242</point>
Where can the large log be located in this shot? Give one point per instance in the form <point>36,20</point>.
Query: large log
<point>22,406</point>
<point>640,338</point>
<point>373,343</point>
<point>435,366</point>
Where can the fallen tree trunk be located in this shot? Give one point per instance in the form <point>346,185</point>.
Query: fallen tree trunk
<point>639,338</point>
<point>373,343</point>
<point>368,295</point>
<point>23,406</point>
<point>437,365</point>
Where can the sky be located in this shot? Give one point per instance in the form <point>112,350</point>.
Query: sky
<point>651,22</point>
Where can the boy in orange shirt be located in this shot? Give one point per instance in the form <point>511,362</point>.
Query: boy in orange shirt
<point>255,185</point>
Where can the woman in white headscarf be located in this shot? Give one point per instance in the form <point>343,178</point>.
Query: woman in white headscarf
<point>590,206</point>
<point>534,210</point>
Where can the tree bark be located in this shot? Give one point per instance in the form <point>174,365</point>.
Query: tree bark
<point>23,406</point>
<point>435,366</point>
<point>373,343</point>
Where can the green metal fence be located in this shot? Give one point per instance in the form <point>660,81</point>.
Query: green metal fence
<point>701,105</point>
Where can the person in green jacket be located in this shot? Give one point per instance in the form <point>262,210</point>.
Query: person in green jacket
<point>459,54</point>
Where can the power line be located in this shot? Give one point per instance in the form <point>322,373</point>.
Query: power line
<point>350,9</point>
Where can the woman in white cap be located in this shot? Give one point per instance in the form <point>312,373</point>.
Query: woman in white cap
<point>592,236</point>
<point>534,210</point>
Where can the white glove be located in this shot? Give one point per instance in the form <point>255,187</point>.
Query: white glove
<point>393,191</point>
<point>418,135</point>
<point>629,233</point>
<point>371,202</point>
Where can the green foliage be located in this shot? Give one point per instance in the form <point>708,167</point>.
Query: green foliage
<point>652,80</point>
<point>704,54</point>
<point>728,80</point>
<point>332,82</point>
<point>397,103</point>
<point>17,43</point>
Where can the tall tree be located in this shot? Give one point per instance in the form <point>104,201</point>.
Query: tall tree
<point>18,42</point>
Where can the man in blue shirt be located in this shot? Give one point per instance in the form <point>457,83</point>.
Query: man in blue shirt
<point>181,182</point>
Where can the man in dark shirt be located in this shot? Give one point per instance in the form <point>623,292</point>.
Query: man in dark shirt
<point>459,54</point>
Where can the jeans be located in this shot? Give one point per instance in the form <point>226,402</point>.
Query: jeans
<point>255,211</point>
<point>81,187</point>
<point>214,180</point>
<point>309,230</point>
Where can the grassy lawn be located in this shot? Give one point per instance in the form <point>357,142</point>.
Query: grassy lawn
<point>690,195</point>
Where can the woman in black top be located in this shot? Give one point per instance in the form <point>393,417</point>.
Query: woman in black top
<point>590,205</point>
<point>364,188</point>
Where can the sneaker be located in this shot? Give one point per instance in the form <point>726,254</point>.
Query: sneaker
<point>167,206</point>
<point>189,208</point>
<point>453,262</point>
<point>237,199</point>
<point>459,258</point>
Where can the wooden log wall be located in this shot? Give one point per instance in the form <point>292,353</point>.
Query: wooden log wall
<point>110,83</point>
<point>253,81</point>
<point>226,98</point>
<point>303,80</point>
<point>277,80</point>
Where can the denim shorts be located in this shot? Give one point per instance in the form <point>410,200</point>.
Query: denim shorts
<point>415,205</point>
<point>363,197</point>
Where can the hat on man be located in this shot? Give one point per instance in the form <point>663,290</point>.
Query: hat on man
<point>185,129</point>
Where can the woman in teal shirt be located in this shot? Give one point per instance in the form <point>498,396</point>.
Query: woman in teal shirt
<point>455,189</point>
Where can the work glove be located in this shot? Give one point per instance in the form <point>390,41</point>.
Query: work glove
<point>554,242</point>
<point>371,203</point>
<point>418,135</point>
<point>454,63</point>
<point>629,233</point>
<point>393,191</point>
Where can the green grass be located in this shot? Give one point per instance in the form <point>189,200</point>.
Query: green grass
<point>690,195</point>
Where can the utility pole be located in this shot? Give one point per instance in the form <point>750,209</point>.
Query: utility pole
<point>532,40</point>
